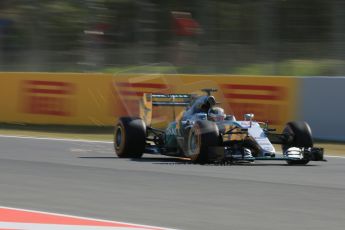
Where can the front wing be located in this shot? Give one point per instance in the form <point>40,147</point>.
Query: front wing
<point>221,153</point>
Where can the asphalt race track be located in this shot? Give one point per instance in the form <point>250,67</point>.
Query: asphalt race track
<point>86,179</point>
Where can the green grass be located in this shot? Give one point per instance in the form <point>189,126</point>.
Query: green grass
<point>142,69</point>
<point>293,68</point>
<point>297,67</point>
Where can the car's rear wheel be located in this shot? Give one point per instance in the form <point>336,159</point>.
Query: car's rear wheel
<point>130,137</point>
<point>201,136</point>
<point>300,136</point>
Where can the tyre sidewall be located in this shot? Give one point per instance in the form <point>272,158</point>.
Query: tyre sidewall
<point>119,147</point>
<point>300,133</point>
<point>133,139</point>
<point>206,134</point>
<point>194,134</point>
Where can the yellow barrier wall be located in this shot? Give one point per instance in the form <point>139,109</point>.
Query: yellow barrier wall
<point>97,99</point>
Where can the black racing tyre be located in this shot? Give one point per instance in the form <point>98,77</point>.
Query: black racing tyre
<point>300,136</point>
<point>202,135</point>
<point>130,137</point>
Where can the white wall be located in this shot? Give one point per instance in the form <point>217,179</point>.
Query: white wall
<point>322,105</point>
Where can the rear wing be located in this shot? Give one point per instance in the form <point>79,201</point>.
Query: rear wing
<point>171,100</point>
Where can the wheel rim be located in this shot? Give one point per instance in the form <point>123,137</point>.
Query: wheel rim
<point>194,143</point>
<point>118,137</point>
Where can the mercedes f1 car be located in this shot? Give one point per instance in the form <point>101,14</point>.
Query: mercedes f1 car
<point>204,134</point>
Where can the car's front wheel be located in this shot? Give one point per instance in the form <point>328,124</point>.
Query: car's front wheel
<point>201,136</point>
<point>300,136</point>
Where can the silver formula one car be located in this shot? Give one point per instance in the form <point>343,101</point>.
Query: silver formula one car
<point>205,134</point>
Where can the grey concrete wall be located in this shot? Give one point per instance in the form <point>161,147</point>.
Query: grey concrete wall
<point>322,105</point>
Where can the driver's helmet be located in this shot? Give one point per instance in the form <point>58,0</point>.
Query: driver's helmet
<point>216,114</point>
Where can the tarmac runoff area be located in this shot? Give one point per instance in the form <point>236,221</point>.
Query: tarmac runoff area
<point>85,178</point>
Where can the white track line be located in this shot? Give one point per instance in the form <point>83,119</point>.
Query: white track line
<point>335,156</point>
<point>89,141</point>
<point>35,226</point>
<point>54,139</point>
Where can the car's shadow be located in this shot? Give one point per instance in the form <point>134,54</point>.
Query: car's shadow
<point>184,161</point>
<point>162,160</point>
<point>256,164</point>
<point>98,157</point>
<point>154,160</point>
